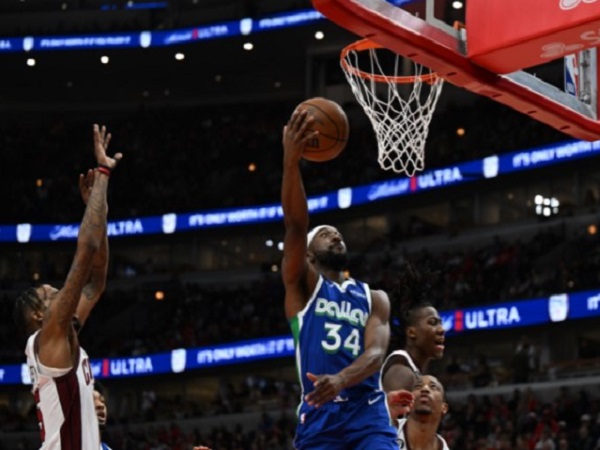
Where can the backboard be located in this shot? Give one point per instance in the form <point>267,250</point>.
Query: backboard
<point>488,54</point>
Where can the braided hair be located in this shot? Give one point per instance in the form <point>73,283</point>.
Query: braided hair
<point>409,295</point>
<point>25,303</point>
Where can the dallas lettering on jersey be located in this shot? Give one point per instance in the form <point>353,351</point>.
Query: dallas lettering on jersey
<point>491,317</point>
<point>131,366</point>
<point>341,311</point>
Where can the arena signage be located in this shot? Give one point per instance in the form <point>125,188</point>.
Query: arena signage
<point>478,170</point>
<point>523,313</point>
<point>160,38</point>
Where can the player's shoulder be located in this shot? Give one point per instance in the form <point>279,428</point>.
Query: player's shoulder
<point>399,358</point>
<point>380,294</point>
<point>380,300</point>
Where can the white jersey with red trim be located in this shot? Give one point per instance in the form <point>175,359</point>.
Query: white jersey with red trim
<point>65,402</point>
<point>403,443</point>
<point>395,353</point>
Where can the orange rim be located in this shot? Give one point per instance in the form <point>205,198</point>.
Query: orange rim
<point>366,44</point>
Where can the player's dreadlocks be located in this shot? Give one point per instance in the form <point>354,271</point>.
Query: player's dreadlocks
<point>410,293</point>
<point>26,302</point>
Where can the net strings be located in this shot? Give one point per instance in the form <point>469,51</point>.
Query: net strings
<point>400,119</point>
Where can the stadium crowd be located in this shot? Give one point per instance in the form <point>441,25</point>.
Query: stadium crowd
<point>199,158</point>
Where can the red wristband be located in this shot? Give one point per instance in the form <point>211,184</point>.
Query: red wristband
<point>104,169</point>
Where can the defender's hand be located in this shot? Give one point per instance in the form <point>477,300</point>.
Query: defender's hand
<point>101,141</point>
<point>400,402</point>
<point>86,182</point>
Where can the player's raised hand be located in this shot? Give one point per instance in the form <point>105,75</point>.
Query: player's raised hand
<point>86,182</point>
<point>101,141</point>
<point>296,134</point>
<point>400,402</point>
<point>327,387</point>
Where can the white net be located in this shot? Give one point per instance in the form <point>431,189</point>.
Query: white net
<point>399,107</point>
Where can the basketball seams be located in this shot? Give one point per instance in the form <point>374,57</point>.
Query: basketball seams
<point>328,116</point>
<point>332,125</point>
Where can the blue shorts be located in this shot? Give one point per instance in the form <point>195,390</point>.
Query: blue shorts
<point>360,423</point>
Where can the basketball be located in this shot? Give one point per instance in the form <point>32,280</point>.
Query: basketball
<point>331,123</point>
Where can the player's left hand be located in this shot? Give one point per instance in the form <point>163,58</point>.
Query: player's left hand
<point>400,402</point>
<point>327,387</point>
<point>86,182</point>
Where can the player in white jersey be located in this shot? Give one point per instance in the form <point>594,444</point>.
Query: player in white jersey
<point>419,430</point>
<point>420,334</point>
<point>60,371</point>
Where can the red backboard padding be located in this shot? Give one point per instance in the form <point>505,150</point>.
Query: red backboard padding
<point>504,36</point>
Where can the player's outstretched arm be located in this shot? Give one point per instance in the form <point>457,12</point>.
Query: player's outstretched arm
<point>55,342</point>
<point>97,282</point>
<point>377,335</point>
<point>295,214</point>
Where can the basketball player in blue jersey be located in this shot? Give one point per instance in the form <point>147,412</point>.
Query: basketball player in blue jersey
<point>340,326</point>
<point>62,379</point>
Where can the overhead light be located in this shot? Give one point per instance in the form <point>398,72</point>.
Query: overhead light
<point>248,46</point>
<point>64,6</point>
<point>179,56</point>
<point>218,78</point>
<point>30,62</point>
<point>251,167</point>
<point>546,206</point>
<point>319,35</point>
<point>460,131</point>
<point>104,59</point>
<point>277,84</point>
<point>269,243</point>
<point>457,4</point>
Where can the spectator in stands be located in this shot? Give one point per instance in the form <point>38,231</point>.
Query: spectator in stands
<point>563,444</point>
<point>520,364</point>
<point>482,374</point>
<point>545,441</point>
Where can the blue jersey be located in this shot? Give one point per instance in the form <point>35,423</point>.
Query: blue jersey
<point>329,332</point>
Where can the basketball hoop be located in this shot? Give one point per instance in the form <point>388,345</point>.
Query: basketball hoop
<point>400,117</point>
